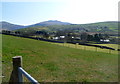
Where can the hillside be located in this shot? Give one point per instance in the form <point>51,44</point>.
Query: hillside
<point>101,27</point>
<point>50,22</point>
<point>48,62</point>
<point>110,27</point>
<point>9,26</point>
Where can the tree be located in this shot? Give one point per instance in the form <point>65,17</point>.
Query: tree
<point>106,36</point>
<point>90,38</point>
<point>46,35</point>
<point>6,31</point>
<point>17,32</point>
<point>84,36</point>
<point>96,37</point>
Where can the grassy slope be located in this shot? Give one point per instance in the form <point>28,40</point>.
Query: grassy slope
<point>115,46</point>
<point>49,62</point>
<point>103,27</point>
<point>90,48</point>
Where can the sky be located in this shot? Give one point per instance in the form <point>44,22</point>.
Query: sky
<point>27,12</point>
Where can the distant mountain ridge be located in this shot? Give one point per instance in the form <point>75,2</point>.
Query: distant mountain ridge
<point>9,26</point>
<point>53,25</point>
<point>50,22</point>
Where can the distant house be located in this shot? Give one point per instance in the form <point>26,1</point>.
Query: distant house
<point>55,38</point>
<point>73,37</point>
<point>62,36</point>
<point>78,38</point>
<point>104,40</point>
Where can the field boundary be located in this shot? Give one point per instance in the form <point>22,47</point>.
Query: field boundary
<point>53,41</point>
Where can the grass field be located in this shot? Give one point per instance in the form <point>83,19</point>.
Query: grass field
<point>90,48</point>
<point>115,46</point>
<point>48,62</point>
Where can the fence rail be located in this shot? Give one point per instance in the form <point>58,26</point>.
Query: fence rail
<point>29,77</point>
<point>18,72</point>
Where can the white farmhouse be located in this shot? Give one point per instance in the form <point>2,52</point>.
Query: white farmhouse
<point>62,36</point>
<point>105,40</point>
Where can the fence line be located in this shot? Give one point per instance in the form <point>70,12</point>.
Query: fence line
<point>85,47</point>
<point>18,72</point>
<point>79,43</point>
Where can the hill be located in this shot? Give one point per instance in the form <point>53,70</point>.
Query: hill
<point>9,26</point>
<point>50,22</point>
<point>108,26</point>
<point>54,25</point>
<point>53,63</point>
<point>100,27</point>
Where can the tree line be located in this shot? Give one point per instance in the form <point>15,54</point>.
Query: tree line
<point>69,36</point>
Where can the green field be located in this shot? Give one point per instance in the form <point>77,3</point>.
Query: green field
<point>90,48</point>
<point>48,62</point>
<point>115,46</point>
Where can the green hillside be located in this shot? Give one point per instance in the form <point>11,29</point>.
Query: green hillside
<point>9,26</point>
<point>48,62</point>
<point>110,27</point>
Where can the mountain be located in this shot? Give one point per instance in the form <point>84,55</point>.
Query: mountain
<point>54,25</point>
<point>9,26</point>
<point>50,22</point>
<point>109,27</point>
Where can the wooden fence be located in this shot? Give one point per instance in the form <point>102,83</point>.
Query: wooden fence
<point>18,72</point>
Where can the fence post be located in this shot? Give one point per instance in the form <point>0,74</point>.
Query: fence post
<point>15,77</point>
<point>96,48</point>
<point>84,47</point>
<point>76,45</point>
<point>109,50</point>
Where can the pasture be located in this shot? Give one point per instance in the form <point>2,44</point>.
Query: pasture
<point>91,48</point>
<point>115,46</point>
<point>48,62</point>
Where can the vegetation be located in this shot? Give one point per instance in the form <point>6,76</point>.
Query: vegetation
<point>101,27</point>
<point>86,33</point>
<point>48,62</point>
<point>9,26</point>
<point>115,46</point>
<point>69,36</point>
<point>92,48</point>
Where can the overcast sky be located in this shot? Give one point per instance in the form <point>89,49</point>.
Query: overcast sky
<point>26,12</point>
